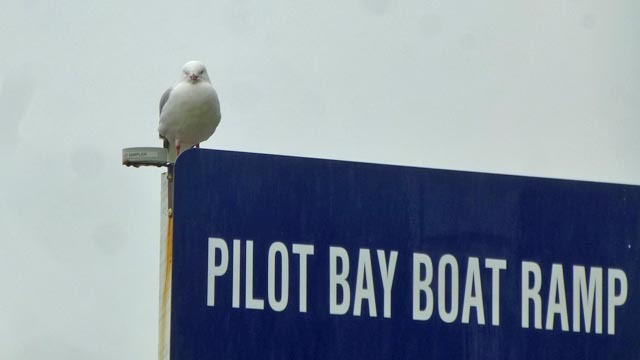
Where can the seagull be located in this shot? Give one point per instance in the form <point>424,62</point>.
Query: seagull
<point>189,111</point>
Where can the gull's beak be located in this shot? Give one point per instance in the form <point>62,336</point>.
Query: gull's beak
<point>193,77</point>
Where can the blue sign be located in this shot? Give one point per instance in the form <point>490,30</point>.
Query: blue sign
<point>280,257</point>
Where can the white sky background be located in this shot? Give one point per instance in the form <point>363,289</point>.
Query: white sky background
<point>544,88</point>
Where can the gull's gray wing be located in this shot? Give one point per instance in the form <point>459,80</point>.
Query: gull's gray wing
<point>164,98</point>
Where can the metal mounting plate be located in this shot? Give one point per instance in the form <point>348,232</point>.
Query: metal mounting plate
<point>144,156</point>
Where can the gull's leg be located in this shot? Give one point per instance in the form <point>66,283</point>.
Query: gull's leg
<point>177,150</point>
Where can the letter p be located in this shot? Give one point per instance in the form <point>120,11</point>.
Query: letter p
<point>214,269</point>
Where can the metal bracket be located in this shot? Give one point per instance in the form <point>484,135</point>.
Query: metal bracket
<point>170,179</point>
<point>145,156</point>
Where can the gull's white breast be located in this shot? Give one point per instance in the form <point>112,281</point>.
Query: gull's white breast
<point>191,114</point>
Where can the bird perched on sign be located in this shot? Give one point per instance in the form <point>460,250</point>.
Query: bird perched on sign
<point>189,111</point>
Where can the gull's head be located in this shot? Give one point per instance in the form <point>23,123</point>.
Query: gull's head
<point>195,71</point>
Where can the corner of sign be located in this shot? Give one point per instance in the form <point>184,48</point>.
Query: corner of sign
<point>185,156</point>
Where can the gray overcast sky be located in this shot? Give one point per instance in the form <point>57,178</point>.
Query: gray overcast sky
<point>544,88</point>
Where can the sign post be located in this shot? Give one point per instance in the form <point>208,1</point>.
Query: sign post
<point>158,157</point>
<point>279,257</point>
<point>166,253</point>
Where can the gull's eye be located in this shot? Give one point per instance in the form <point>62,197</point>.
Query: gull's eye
<point>201,72</point>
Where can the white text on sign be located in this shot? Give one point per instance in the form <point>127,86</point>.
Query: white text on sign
<point>435,285</point>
